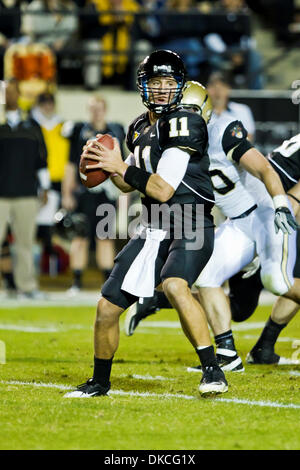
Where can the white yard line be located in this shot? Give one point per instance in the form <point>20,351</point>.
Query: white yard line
<point>295,373</point>
<point>237,401</point>
<point>284,339</point>
<point>49,328</point>
<point>83,298</point>
<point>147,377</point>
<point>146,326</point>
<point>37,327</point>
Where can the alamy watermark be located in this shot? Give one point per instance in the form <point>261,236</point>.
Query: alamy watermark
<point>179,221</point>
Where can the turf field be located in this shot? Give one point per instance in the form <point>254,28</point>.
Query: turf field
<point>154,403</point>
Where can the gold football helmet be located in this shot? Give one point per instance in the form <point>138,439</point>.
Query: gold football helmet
<point>195,95</point>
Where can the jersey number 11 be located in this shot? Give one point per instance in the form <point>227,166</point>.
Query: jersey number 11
<point>183,131</point>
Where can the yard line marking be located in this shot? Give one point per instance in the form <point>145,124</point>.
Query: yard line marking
<point>161,324</point>
<point>279,340</point>
<point>261,403</point>
<point>289,372</point>
<point>54,328</point>
<point>88,298</point>
<point>248,326</point>
<point>31,328</point>
<point>38,384</point>
<point>238,401</point>
<point>41,329</point>
<point>176,325</point>
<point>146,377</point>
<point>153,395</point>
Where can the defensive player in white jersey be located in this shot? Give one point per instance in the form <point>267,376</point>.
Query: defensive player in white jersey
<point>234,164</point>
<point>249,229</point>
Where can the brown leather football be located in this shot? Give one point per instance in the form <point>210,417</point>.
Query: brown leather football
<point>91,178</point>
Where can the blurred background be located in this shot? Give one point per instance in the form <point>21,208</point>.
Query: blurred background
<point>68,70</point>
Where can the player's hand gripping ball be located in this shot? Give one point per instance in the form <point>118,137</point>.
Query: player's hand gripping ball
<point>93,177</point>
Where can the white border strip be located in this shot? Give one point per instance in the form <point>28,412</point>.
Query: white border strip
<point>238,401</point>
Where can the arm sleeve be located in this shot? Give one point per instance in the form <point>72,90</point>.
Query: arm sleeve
<point>235,142</point>
<point>172,166</point>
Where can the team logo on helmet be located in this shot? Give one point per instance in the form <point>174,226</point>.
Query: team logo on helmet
<point>162,69</point>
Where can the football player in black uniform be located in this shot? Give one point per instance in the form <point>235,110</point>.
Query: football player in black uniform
<point>168,164</point>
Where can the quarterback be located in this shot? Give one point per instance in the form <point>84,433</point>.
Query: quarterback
<point>168,164</point>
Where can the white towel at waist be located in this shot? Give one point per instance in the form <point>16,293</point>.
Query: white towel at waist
<point>140,277</point>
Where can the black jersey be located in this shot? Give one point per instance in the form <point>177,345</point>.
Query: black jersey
<point>285,159</point>
<point>181,129</point>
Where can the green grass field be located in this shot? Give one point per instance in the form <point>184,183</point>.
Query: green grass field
<point>154,403</point>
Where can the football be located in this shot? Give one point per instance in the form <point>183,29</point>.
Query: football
<point>91,178</point>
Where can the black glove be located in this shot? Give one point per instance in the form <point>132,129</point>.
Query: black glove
<point>284,220</point>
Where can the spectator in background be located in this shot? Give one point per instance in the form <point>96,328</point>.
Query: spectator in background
<point>76,197</point>
<point>190,48</point>
<point>230,50</point>
<point>23,167</point>
<point>10,20</point>
<point>58,148</point>
<point>56,30</point>
<point>117,37</point>
<point>90,34</point>
<point>218,88</point>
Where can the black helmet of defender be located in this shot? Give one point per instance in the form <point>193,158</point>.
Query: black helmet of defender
<point>162,63</point>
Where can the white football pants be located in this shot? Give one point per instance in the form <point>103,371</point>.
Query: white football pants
<point>238,241</point>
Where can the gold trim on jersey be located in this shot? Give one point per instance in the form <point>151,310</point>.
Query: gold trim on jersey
<point>187,148</point>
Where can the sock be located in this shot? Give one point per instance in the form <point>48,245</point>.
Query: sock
<point>269,335</point>
<point>9,280</point>
<point>207,356</point>
<point>102,369</point>
<point>225,340</point>
<point>77,277</point>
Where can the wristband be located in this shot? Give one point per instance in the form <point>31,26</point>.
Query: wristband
<point>280,201</point>
<point>137,178</point>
